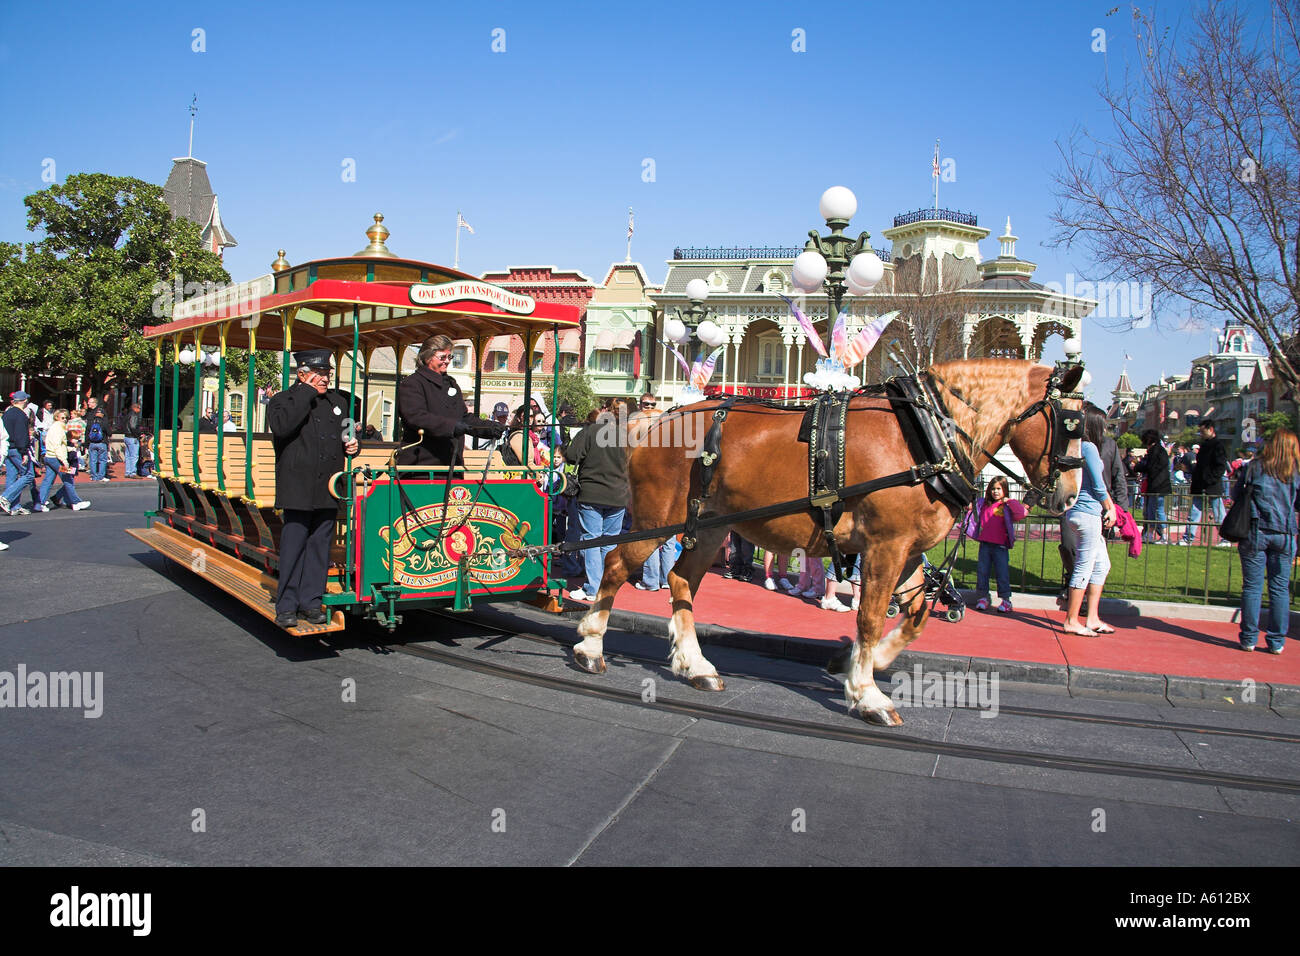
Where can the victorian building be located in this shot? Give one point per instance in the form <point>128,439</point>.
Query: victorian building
<point>1227,386</point>
<point>962,305</point>
<point>188,194</point>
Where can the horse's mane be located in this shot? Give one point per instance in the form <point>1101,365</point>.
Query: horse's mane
<point>998,388</point>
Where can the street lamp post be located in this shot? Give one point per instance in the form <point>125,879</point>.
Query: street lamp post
<point>694,320</point>
<point>837,263</point>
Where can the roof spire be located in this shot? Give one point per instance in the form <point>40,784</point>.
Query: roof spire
<point>194,109</point>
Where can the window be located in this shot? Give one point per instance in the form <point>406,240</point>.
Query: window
<point>460,357</point>
<point>236,408</point>
<point>568,362</point>
<point>498,361</point>
<point>619,360</point>
<point>537,362</point>
<point>386,428</point>
<point>771,357</point>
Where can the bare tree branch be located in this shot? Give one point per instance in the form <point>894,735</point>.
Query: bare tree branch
<point>1196,188</point>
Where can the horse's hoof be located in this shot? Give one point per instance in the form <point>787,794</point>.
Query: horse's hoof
<point>839,662</point>
<point>883,716</point>
<point>592,665</point>
<point>708,682</point>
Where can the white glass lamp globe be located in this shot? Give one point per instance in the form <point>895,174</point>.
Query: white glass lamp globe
<point>212,359</point>
<point>1086,380</point>
<point>697,289</point>
<point>674,330</point>
<point>838,202</point>
<point>1073,348</point>
<point>866,270</point>
<point>708,332</point>
<point>809,271</point>
<point>854,288</point>
<point>186,356</point>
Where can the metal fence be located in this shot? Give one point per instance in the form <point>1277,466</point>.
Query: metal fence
<point>1207,571</point>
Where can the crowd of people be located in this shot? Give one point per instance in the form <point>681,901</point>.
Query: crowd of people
<point>43,446</point>
<point>1204,471</point>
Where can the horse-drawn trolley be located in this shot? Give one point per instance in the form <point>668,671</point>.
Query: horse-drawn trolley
<point>405,536</point>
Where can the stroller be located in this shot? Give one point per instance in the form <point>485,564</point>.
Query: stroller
<point>934,585</point>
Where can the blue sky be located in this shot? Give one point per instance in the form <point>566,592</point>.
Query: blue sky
<point>542,146</point>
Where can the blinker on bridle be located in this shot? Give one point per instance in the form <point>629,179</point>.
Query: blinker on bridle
<point>1063,426</point>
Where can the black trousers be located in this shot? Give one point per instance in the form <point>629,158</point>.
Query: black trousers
<point>304,558</point>
<point>742,557</point>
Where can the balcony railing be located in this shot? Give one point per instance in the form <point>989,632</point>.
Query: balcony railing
<point>751,252</point>
<point>944,215</point>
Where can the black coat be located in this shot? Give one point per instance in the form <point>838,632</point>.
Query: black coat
<point>434,402</point>
<point>1211,463</point>
<point>1155,466</point>
<point>307,430</point>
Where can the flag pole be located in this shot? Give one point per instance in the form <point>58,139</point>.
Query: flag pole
<point>456,261</point>
<point>935,173</point>
<point>629,234</point>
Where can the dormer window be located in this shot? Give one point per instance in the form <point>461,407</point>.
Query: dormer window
<point>775,282</point>
<point>718,282</point>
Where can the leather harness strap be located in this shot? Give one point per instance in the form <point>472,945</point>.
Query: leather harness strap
<point>826,450</point>
<point>709,455</point>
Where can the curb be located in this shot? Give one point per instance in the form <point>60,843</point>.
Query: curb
<point>1080,681</point>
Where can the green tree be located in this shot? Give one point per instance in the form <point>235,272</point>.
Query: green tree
<point>1128,440</point>
<point>1188,437</point>
<point>1271,422</point>
<point>77,299</point>
<point>575,387</point>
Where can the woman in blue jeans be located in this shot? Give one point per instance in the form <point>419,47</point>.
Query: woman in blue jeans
<point>1269,550</point>
<point>1092,511</point>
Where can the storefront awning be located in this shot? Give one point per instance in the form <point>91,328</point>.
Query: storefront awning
<point>610,339</point>
<point>570,342</point>
<point>498,343</point>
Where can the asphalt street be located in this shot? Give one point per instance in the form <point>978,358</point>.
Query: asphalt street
<point>223,741</point>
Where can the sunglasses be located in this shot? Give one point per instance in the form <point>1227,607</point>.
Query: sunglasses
<point>648,404</point>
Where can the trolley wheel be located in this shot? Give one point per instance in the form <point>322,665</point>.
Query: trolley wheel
<point>955,614</point>
<point>893,609</point>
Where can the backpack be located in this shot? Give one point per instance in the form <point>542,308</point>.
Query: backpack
<point>95,433</point>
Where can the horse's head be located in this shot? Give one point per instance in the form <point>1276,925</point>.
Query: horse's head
<point>1045,438</point>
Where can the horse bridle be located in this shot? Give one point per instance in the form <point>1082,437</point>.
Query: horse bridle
<point>1064,425</point>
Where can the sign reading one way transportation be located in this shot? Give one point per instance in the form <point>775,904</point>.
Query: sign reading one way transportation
<point>468,290</point>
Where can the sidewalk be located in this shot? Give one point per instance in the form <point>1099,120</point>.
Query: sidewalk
<point>1178,658</point>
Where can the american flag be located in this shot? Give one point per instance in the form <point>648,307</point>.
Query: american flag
<point>935,166</point>
<point>462,224</point>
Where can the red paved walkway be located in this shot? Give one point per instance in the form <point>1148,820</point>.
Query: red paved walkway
<point>1186,648</point>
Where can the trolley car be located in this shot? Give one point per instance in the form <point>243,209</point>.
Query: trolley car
<point>406,536</point>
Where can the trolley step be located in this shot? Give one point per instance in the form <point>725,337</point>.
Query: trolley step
<point>250,585</point>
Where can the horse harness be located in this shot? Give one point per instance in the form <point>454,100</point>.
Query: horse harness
<point>931,433</point>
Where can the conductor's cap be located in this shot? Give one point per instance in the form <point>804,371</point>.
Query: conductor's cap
<point>316,359</point>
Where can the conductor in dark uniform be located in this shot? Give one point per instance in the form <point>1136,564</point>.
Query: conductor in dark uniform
<point>430,399</point>
<point>307,422</point>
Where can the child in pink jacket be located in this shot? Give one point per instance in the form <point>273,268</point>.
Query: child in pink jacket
<point>995,529</point>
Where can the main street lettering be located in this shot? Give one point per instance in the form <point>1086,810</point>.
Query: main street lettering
<point>464,290</point>
<point>228,300</point>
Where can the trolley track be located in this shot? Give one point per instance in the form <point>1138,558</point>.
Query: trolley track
<point>860,734</point>
<point>818,687</point>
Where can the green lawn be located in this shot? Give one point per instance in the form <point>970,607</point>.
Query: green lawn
<point>1193,575</point>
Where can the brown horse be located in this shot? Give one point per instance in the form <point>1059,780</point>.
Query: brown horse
<point>762,462</point>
